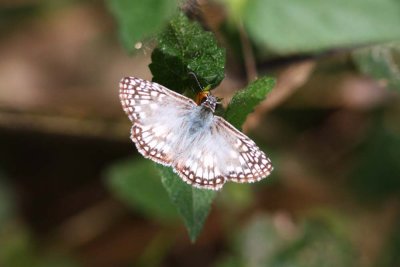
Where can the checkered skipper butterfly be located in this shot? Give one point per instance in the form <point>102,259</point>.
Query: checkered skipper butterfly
<point>171,129</point>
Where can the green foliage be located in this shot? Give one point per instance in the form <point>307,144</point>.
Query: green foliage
<point>184,47</point>
<point>138,184</point>
<point>381,62</point>
<point>193,204</point>
<point>228,261</point>
<point>140,19</point>
<point>17,248</point>
<point>6,202</point>
<point>247,99</point>
<point>307,26</point>
<point>378,160</point>
<point>11,15</point>
<point>390,256</point>
<point>319,245</point>
<point>317,242</point>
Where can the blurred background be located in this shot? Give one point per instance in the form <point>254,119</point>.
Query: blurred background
<point>331,126</point>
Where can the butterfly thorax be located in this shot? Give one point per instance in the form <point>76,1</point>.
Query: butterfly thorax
<point>200,119</point>
<point>210,102</point>
<point>203,116</point>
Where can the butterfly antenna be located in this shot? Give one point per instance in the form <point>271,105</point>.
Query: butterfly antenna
<point>195,77</point>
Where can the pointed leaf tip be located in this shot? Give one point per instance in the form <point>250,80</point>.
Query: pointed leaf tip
<point>193,204</point>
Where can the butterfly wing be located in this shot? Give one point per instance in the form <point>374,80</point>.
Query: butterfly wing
<point>249,164</point>
<point>156,112</point>
<point>206,158</point>
<point>222,154</point>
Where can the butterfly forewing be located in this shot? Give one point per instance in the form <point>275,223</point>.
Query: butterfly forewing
<point>150,107</point>
<point>205,156</point>
<point>140,96</point>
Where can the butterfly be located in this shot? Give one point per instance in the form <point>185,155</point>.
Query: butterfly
<point>203,149</point>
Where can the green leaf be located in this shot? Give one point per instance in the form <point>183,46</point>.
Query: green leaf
<point>138,184</point>
<point>193,204</point>
<point>382,62</point>
<point>140,19</point>
<point>184,47</point>
<point>247,99</point>
<point>307,26</point>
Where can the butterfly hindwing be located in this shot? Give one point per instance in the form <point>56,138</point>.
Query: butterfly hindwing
<point>251,163</point>
<point>223,154</point>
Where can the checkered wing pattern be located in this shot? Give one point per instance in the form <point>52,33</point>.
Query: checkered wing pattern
<point>223,154</point>
<point>205,151</point>
<point>151,107</point>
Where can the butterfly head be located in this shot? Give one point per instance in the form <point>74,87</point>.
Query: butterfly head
<point>209,101</point>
